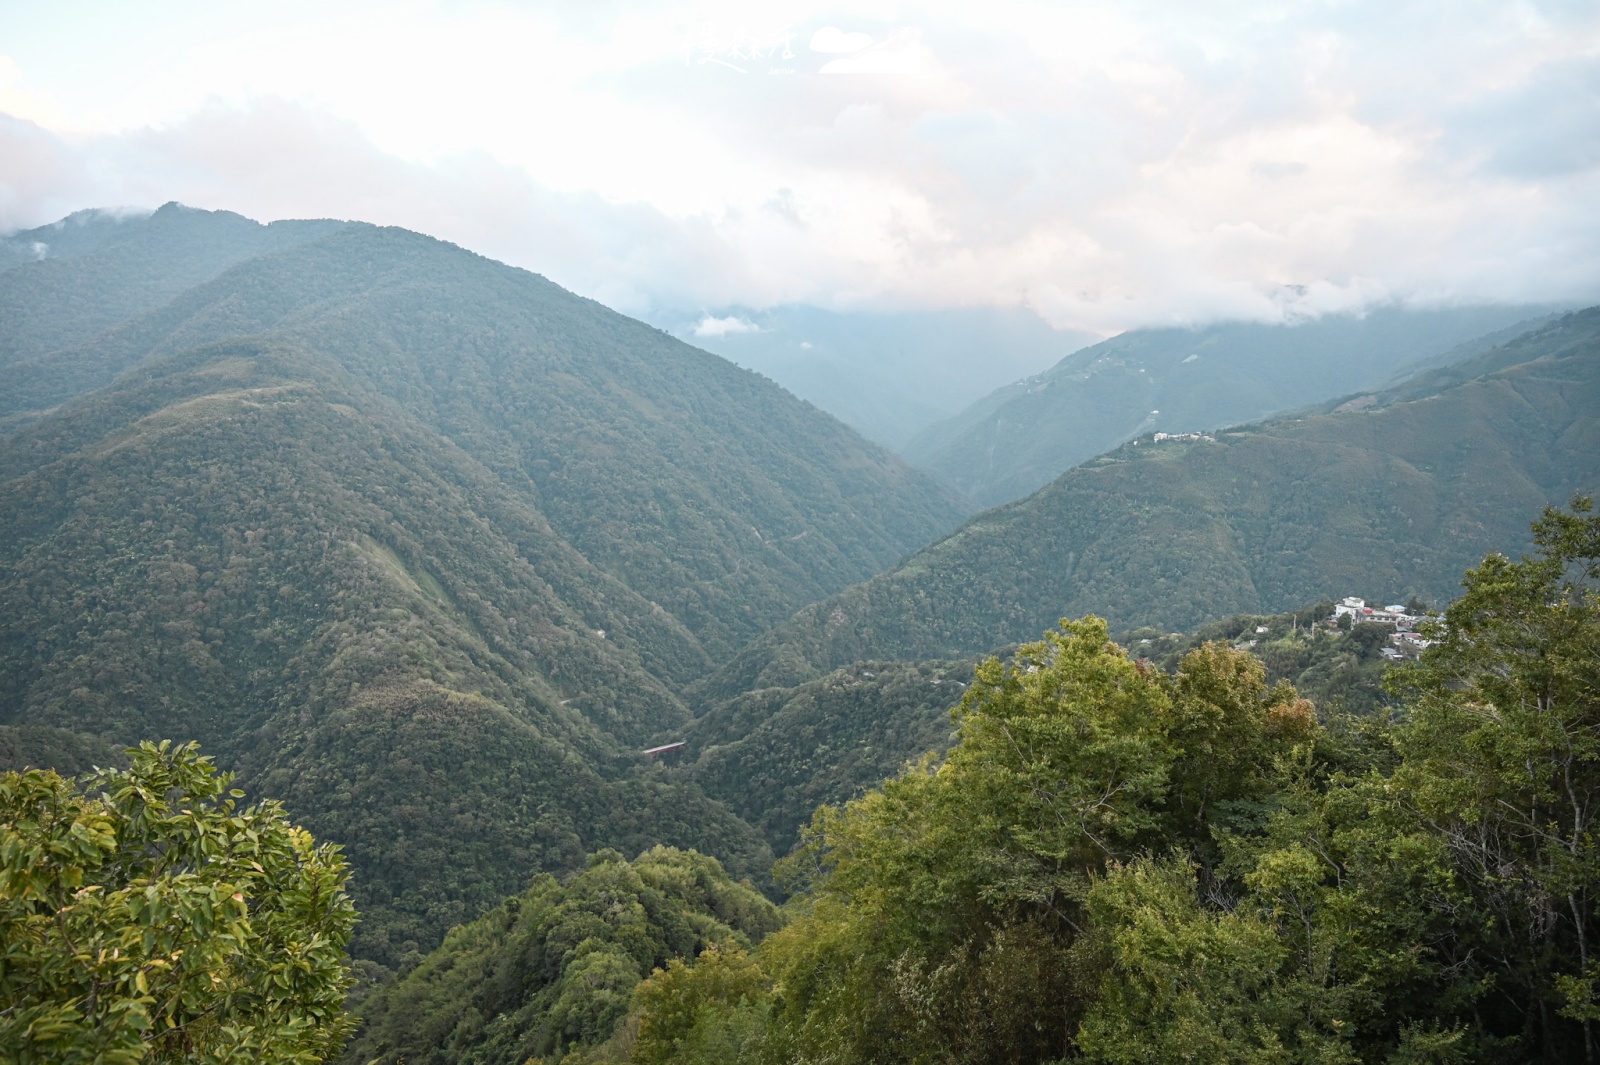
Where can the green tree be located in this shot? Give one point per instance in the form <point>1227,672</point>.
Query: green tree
<point>1185,983</point>
<point>1422,891</point>
<point>1334,931</point>
<point>710,1012</point>
<point>1501,760</point>
<point>944,912</point>
<point>551,974</point>
<point>145,916</point>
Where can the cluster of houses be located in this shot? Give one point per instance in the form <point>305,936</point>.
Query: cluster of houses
<point>1404,642</point>
<point>1180,436</point>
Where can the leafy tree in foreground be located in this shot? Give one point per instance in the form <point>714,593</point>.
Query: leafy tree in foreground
<point>1120,866</point>
<point>1429,898</point>
<point>945,912</point>
<point>145,917</point>
<point>1501,762</point>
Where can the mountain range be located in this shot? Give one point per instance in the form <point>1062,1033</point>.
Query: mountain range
<point>1018,438</point>
<point>431,549</point>
<point>68,282</point>
<point>889,376</point>
<point>1397,490</point>
<point>420,543</point>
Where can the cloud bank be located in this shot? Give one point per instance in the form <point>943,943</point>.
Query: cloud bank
<point>732,325</point>
<point>1107,165</point>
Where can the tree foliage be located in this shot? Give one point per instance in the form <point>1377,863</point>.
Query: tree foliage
<point>554,970</point>
<point>145,916</point>
<point>944,912</point>
<point>709,1010</point>
<point>1501,760</point>
<point>1115,864</point>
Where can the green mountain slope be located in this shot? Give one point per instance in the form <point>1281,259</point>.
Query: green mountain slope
<point>64,283</point>
<point>777,754</point>
<point>1401,494</point>
<point>426,547</point>
<point>1020,437</point>
<point>360,618</point>
<point>706,488</point>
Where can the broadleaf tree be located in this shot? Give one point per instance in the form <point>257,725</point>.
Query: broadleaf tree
<point>146,916</point>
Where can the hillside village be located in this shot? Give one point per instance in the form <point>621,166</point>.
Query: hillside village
<point>1404,642</point>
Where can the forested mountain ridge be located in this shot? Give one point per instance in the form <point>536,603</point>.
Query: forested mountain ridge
<point>359,618</point>
<point>426,547</point>
<point>68,281</point>
<point>1399,491</point>
<point>664,464</point>
<point>1020,437</point>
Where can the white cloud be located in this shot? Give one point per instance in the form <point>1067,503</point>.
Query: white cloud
<point>721,327</point>
<point>1109,164</point>
<point>902,53</point>
<point>19,101</point>
<point>833,40</point>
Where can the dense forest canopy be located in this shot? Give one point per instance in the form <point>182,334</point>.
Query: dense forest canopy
<point>556,967</point>
<point>420,544</point>
<point>1118,864</point>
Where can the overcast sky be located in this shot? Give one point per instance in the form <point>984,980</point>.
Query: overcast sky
<point>1107,164</point>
